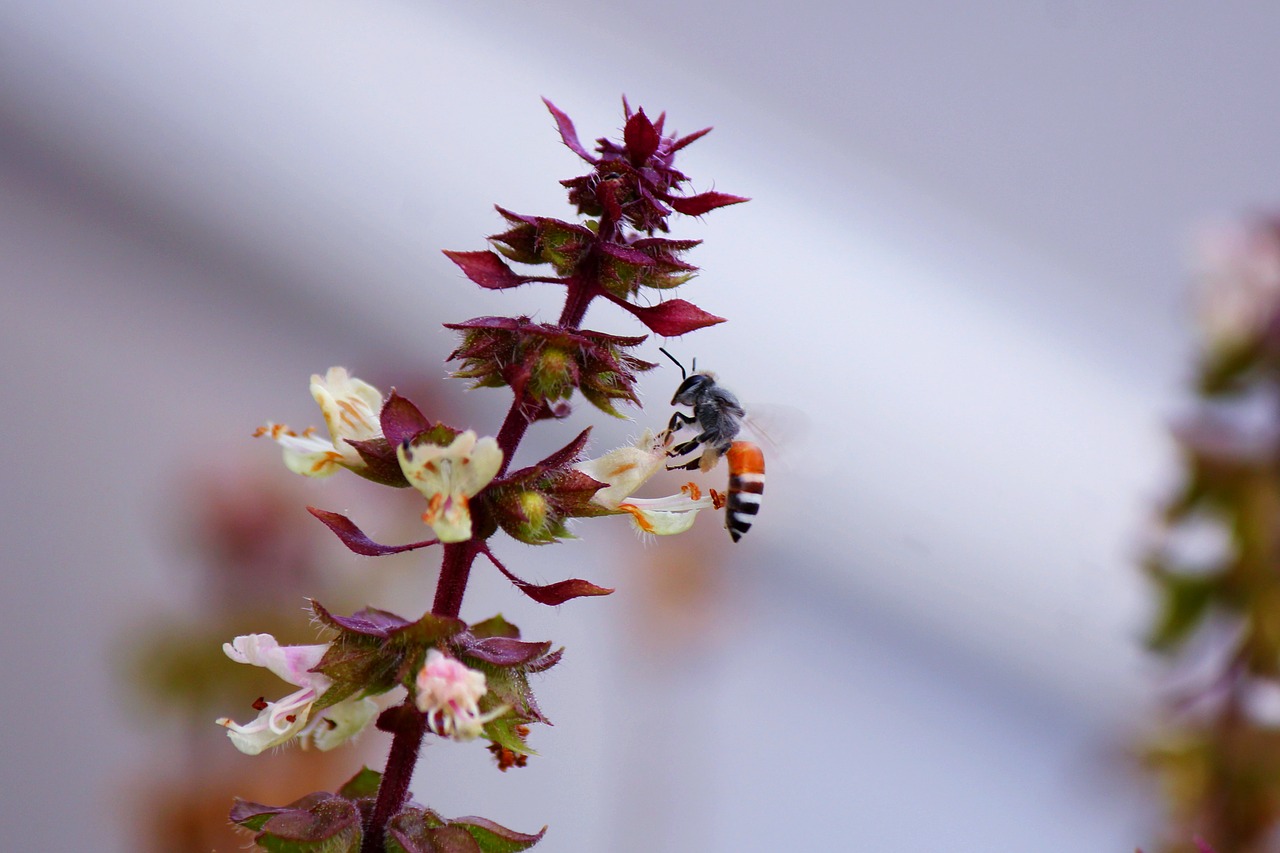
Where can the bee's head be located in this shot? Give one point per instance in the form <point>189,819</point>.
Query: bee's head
<point>692,388</point>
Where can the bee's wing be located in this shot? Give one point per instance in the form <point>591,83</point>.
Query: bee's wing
<point>780,428</point>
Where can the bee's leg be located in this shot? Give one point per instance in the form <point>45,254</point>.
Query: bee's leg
<point>678,420</point>
<point>688,446</point>
<point>686,466</point>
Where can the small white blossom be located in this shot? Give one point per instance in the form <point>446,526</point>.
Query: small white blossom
<point>626,469</point>
<point>1239,272</point>
<point>280,721</point>
<point>449,694</point>
<point>351,410</point>
<point>448,477</point>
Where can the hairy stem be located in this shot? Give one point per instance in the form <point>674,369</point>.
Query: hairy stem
<point>455,569</point>
<point>519,416</point>
<point>581,292</point>
<point>410,725</point>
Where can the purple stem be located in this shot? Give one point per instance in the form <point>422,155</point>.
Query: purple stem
<point>405,746</point>
<point>410,725</point>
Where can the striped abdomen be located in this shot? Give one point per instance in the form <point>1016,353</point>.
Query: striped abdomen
<point>746,486</point>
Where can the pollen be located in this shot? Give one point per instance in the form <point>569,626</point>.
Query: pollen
<point>433,508</point>
<point>691,489</point>
<point>717,499</point>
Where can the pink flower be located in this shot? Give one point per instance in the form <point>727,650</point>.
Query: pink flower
<point>280,721</point>
<point>449,694</point>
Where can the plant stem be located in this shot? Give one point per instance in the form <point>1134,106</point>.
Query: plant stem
<point>519,416</point>
<point>455,569</point>
<point>410,726</point>
<point>581,292</point>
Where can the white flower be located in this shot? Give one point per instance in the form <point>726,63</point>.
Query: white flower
<point>448,478</point>
<point>449,694</point>
<point>280,721</point>
<point>627,469</point>
<point>351,409</point>
<point>1239,273</point>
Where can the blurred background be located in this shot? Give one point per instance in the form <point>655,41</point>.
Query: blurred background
<point>963,264</point>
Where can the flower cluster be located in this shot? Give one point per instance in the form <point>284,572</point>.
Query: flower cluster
<point>547,363</point>
<point>1239,274</point>
<point>460,681</point>
<point>637,179</point>
<point>630,192</point>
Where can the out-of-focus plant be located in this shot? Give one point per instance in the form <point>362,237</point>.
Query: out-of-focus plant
<point>1216,563</point>
<point>236,529</point>
<point>472,681</point>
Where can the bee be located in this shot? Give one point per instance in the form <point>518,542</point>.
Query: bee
<point>719,416</point>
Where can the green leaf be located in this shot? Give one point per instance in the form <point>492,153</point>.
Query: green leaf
<point>423,831</point>
<point>363,784</point>
<point>1224,371</point>
<point>1185,602</point>
<point>330,826</point>
<point>356,668</point>
<point>252,815</point>
<point>419,831</point>
<point>495,626</point>
<point>427,631</point>
<point>505,732</point>
<point>493,838</point>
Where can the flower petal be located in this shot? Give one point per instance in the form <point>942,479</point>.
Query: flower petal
<point>626,469</point>
<point>448,476</point>
<point>291,663</point>
<point>257,737</point>
<point>277,723</point>
<point>670,515</point>
<point>350,407</point>
<point>339,723</point>
<point>660,522</point>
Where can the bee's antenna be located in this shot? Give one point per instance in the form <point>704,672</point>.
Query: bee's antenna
<point>683,374</point>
